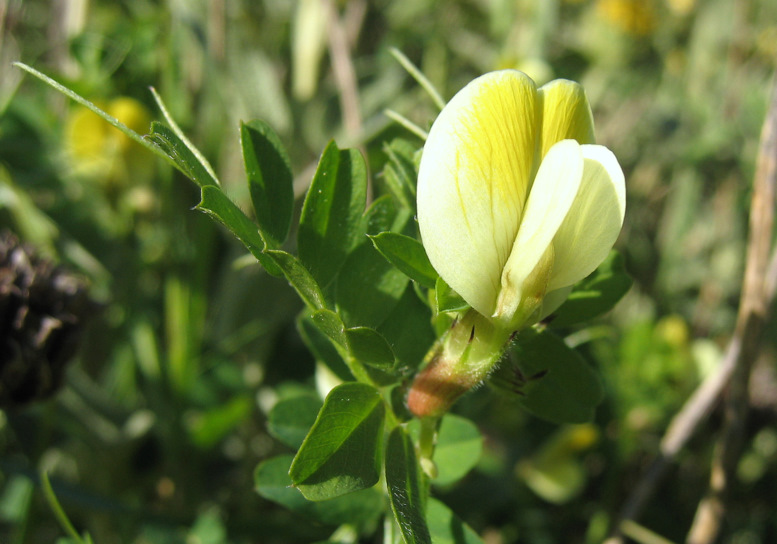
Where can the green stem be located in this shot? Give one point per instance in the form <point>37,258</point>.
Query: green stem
<point>418,75</point>
<point>426,443</point>
<point>59,513</point>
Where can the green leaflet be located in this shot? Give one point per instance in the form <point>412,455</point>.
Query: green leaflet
<point>331,222</point>
<point>446,299</point>
<point>368,288</point>
<point>340,453</point>
<point>290,419</point>
<point>446,527</point>
<point>400,173</point>
<point>408,255</point>
<point>299,278</point>
<point>270,180</point>
<point>364,344</point>
<point>271,481</point>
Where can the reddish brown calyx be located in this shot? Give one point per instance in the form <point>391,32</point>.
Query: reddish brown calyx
<point>435,389</point>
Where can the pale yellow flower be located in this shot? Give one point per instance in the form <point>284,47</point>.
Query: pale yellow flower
<point>515,203</point>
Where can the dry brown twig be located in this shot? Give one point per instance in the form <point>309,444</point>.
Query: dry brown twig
<point>732,376</point>
<point>753,315</point>
<point>344,72</point>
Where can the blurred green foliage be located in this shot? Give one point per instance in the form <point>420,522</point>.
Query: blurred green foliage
<point>165,413</point>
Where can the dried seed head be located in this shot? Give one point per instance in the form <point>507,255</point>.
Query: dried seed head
<point>42,307</point>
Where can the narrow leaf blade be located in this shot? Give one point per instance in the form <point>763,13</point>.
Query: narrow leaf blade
<point>329,323</point>
<point>403,480</point>
<point>169,142</point>
<point>400,172</point>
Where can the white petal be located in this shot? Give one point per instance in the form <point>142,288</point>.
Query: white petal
<point>473,182</point>
<point>594,220</point>
<point>530,263</point>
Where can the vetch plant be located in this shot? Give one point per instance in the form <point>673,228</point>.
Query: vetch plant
<point>517,210</point>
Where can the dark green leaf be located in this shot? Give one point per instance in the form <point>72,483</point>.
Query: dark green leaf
<point>299,278</point>
<point>322,348</point>
<point>369,347</point>
<point>380,216</point>
<point>408,330</point>
<point>291,419</point>
<point>596,294</point>
<point>549,379</point>
<point>164,137</point>
<point>408,255</point>
<point>447,299</point>
<point>331,222</point>
<point>368,288</point>
<point>331,325</point>
<point>403,480</point>
<point>270,180</point>
<point>446,527</point>
<point>272,482</point>
<point>340,453</point>
<point>217,205</point>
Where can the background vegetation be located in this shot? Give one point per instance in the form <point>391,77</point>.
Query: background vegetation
<point>163,416</point>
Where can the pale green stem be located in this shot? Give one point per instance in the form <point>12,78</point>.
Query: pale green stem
<point>59,513</point>
<point>426,443</point>
<point>407,123</point>
<point>413,70</point>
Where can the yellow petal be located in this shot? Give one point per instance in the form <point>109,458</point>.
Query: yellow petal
<point>566,114</point>
<point>594,220</point>
<point>551,197</point>
<point>473,182</point>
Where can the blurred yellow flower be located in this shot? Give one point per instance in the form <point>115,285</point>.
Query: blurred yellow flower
<point>636,17</point>
<point>99,150</point>
<point>681,7</point>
